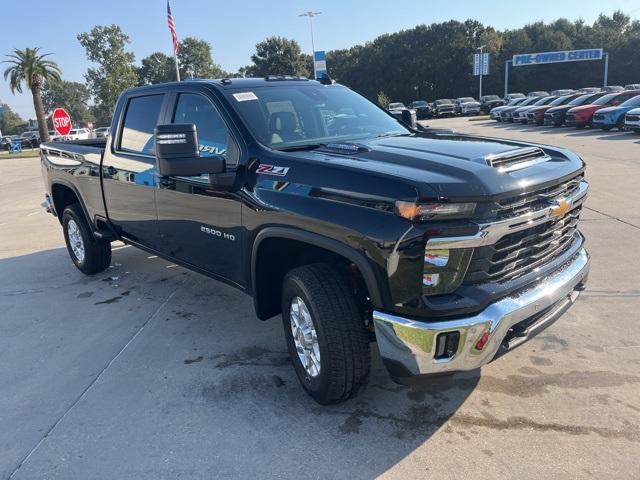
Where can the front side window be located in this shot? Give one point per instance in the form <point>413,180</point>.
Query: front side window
<point>140,121</point>
<point>213,134</point>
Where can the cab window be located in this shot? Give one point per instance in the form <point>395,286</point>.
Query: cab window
<point>140,121</point>
<point>213,135</point>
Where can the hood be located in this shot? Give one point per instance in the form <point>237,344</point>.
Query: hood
<point>450,166</point>
<point>539,108</point>
<point>635,111</point>
<point>617,109</point>
<point>586,108</point>
<point>470,104</point>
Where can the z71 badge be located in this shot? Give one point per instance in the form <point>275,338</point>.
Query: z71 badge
<point>272,170</point>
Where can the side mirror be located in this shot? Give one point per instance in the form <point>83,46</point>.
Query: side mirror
<point>178,153</point>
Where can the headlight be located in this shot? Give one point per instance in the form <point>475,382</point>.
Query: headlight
<point>420,212</point>
<point>444,269</point>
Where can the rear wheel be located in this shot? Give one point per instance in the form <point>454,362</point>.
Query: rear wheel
<point>88,253</point>
<point>325,333</point>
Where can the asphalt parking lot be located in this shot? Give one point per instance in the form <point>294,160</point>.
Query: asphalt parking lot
<point>150,371</point>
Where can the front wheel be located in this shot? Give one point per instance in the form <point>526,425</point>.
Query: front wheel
<point>325,333</point>
<point>88,253</point>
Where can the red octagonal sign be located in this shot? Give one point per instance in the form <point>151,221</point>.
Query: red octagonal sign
<point>61,121</point>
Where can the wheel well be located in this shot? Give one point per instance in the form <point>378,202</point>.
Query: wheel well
<point>277,256</point>
<point>63,196</point>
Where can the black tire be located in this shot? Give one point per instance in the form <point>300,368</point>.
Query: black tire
<point>607,129</point>
<point>97,253</point>
<point>342,337</point>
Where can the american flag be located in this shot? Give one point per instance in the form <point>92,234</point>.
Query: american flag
<point>172,29</point>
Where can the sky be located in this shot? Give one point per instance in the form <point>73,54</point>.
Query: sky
<point>234,27</point>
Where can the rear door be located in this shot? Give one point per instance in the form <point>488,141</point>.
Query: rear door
<point>200,223</point>
<point>129,169</point>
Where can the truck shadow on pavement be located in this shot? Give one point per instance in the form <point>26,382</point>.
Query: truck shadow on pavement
<point>181,348</point>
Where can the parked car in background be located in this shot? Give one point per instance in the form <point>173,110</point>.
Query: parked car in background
<point>538,93</point>
<point>555,116</point>
<point>562,92</point>
<point>495,113</point>
<point>613,88</point>
<point>582,116</point>
<point>422,108</point>
<point>506,115</point>
<point>102,132</point>
<point>632,86</point>
<point>402,113</point>
<point>590,90</point>
<point>614,117</point>
<point>75,134</point>
<point>535,116</point>
<point>30,139</point>
<point>632,120</point>
<point>513,96</point>
<point>520,114</point>
<point>466,106</point>
<point>444,108</point>
<point>489,102</point>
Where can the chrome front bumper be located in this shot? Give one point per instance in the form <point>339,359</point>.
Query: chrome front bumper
<point>410,346</point>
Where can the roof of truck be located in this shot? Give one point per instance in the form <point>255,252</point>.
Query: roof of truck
<point>231,83</point>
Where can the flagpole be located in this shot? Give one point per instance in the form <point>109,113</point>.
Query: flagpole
<point>175,57</point>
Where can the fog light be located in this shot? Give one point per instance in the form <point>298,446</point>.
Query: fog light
<point>446,345</point>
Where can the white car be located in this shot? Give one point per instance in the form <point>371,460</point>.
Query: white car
<point>75,134</point>
<point>632,120</point>
<point>102,132</point>
<point>467,106</point>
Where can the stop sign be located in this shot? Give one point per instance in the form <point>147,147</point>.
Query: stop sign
<point>61,121</point>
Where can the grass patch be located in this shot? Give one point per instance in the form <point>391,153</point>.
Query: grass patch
<point>28,153</point>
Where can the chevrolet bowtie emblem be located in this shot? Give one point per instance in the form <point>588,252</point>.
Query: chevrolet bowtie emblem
<point>560,208</point>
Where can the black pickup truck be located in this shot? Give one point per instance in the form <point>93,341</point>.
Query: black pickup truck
<point>447,250</point>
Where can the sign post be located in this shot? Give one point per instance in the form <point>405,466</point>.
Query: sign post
<point>481,66</point>
<point>319,64</point>
<point>61,122</point>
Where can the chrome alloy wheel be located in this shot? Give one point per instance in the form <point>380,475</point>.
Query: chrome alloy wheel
<point>305,337</point>
<point>75,240</point>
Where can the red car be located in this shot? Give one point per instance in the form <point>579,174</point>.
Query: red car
<point>582,116</point>
<point>535,115</point>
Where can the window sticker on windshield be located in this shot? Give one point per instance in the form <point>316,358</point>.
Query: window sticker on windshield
<point>244,96</point>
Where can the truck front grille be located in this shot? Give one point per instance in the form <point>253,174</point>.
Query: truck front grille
<point>598,116</point>
<point>516,254</point>
<point>519,253</point>
<point>632,118</point>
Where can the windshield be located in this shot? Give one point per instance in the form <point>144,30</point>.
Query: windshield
<point>632,102</point>
<point>296,115</point>
<point>544,100</point>
<point>606,99</point>
<point>515,101</point>
<point>560,100</point>
<point>443,102</point>
<point>491,97</point>
<point>420,103</point>
<point>466,99</point>
<point>396,105</point>
<point>581,99</point>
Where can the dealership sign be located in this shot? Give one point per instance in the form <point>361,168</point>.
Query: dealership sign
<point>319,64</point>
<point>557,57</point>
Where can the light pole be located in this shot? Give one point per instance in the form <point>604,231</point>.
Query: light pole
<point>481,65</point>
<point>311,14</point>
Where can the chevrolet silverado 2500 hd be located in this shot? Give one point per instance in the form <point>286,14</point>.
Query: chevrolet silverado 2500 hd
<point>448,250</point>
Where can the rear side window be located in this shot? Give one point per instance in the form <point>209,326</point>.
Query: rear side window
<point>140,121</point>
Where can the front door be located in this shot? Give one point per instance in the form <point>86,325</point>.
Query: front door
<point>200,224</point>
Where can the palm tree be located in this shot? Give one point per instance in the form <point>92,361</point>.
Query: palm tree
<point>31,67</point>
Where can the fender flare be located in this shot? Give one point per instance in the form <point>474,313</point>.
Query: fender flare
<point>72,187</point>
<point>373,283</point>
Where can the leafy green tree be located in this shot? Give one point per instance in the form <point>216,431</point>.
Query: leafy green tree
<point>72,96</point>
<point>196,61</point>
<point>156,68</point>
<point>383,100</point>
<point>279,56</point>
<point>10,121</point>
<point>32,68</point>
<point>115,72</point>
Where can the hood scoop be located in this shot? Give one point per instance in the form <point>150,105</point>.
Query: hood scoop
<point>517,159</point>
<point>344,148</point>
